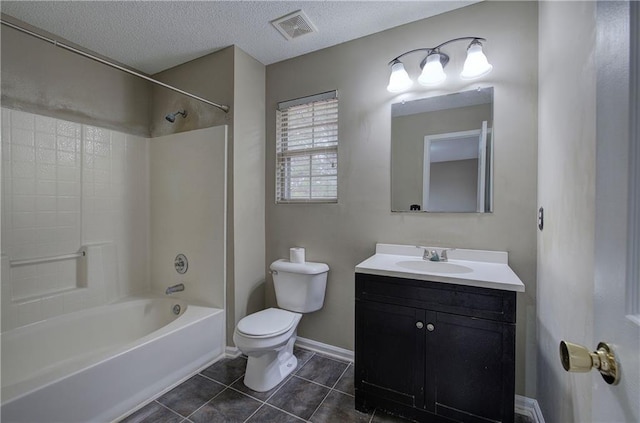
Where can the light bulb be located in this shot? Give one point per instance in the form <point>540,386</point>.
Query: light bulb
<point>432,73</point>
<point>476,64</point>
<point>399,80</point>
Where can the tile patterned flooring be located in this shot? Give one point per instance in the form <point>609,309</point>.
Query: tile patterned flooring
<point>319,390</point>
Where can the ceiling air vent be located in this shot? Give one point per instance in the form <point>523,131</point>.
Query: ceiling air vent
<point>294,25</point>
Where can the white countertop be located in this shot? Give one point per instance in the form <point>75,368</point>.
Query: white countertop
<point>487,269</point>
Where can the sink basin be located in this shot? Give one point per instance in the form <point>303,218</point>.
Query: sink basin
<point>434,266</point>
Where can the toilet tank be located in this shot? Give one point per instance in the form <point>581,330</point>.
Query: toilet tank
<point>300,287</point>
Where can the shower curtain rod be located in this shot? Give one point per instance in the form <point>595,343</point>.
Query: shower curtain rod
<point>56,43</point>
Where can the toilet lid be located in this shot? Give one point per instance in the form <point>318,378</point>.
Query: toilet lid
<point>269,322</point>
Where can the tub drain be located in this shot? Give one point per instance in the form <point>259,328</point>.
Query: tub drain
<point>176,309</point>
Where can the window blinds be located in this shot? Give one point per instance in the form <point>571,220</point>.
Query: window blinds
<point>307,149</point>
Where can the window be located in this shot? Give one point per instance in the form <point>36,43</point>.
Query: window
<point>307,149</point>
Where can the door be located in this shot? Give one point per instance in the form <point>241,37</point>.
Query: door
<point>473,368</point>
<point>390,352</point>
<point>617,227</point>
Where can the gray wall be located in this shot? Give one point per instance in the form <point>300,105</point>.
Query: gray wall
<point>345,233</point>
<point>40,78</point>
<point>566,190</point>
<point>210,77</point>
<point>245,294</point>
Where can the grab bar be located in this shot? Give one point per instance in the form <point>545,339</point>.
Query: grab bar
<point>47,259</point>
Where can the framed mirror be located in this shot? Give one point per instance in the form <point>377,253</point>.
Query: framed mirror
<point>442,153</point>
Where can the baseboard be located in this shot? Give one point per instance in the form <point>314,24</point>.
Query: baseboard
<point>326,349</point>
<point>530,408</point>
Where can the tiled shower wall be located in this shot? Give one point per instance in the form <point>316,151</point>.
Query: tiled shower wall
<point>64,186</point>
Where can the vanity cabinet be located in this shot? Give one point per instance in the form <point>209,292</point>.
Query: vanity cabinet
<point>434,351</point>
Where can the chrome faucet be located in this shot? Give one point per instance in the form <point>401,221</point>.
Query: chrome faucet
<point>432,255</point>
<point>174,288</point>
<point>443,254</point>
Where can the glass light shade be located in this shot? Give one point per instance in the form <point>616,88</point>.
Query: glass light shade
<point>476,64</point>
<point>432,73</point>
<point>399,80</point>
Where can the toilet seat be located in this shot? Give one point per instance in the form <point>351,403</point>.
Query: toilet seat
<point>266,323</point>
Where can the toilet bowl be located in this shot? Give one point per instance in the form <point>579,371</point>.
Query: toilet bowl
<point>267,337</point>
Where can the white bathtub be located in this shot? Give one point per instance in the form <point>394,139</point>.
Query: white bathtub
<point>94,365</point>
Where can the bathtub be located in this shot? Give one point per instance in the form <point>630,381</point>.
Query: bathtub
<point>95,365</point>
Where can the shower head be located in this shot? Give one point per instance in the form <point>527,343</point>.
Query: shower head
<point>171,117</point>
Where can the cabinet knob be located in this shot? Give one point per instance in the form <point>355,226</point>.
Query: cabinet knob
<point>430,327</point>
<point>419,325</point>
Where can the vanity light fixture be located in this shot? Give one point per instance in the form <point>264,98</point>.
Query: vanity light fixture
<point>475,66</point>
<point>399,80</point>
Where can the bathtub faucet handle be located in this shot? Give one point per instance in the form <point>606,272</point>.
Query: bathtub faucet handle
<point>175,288</point>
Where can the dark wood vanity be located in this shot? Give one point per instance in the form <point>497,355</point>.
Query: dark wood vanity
<point>434,351</point>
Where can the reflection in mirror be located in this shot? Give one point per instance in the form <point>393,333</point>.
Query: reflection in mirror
<point>442,153</point>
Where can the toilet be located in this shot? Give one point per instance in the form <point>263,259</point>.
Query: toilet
<point>267,337</point>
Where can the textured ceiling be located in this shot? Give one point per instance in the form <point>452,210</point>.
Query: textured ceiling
<point>152,36</point>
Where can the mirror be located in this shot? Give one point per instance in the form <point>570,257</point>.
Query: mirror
<point>442,153</point>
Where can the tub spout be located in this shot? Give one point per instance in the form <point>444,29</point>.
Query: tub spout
<point>175,288</point>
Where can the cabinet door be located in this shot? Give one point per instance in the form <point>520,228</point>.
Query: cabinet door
<point>390,348</point>
<point>473,364</point>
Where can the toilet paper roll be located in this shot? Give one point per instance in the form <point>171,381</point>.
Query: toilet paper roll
<point>296,255</point>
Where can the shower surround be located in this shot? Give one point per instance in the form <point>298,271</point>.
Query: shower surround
<point>128,205</point>
<point>65,185</point>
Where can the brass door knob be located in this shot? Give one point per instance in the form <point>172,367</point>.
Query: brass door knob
<point>576,358</point>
